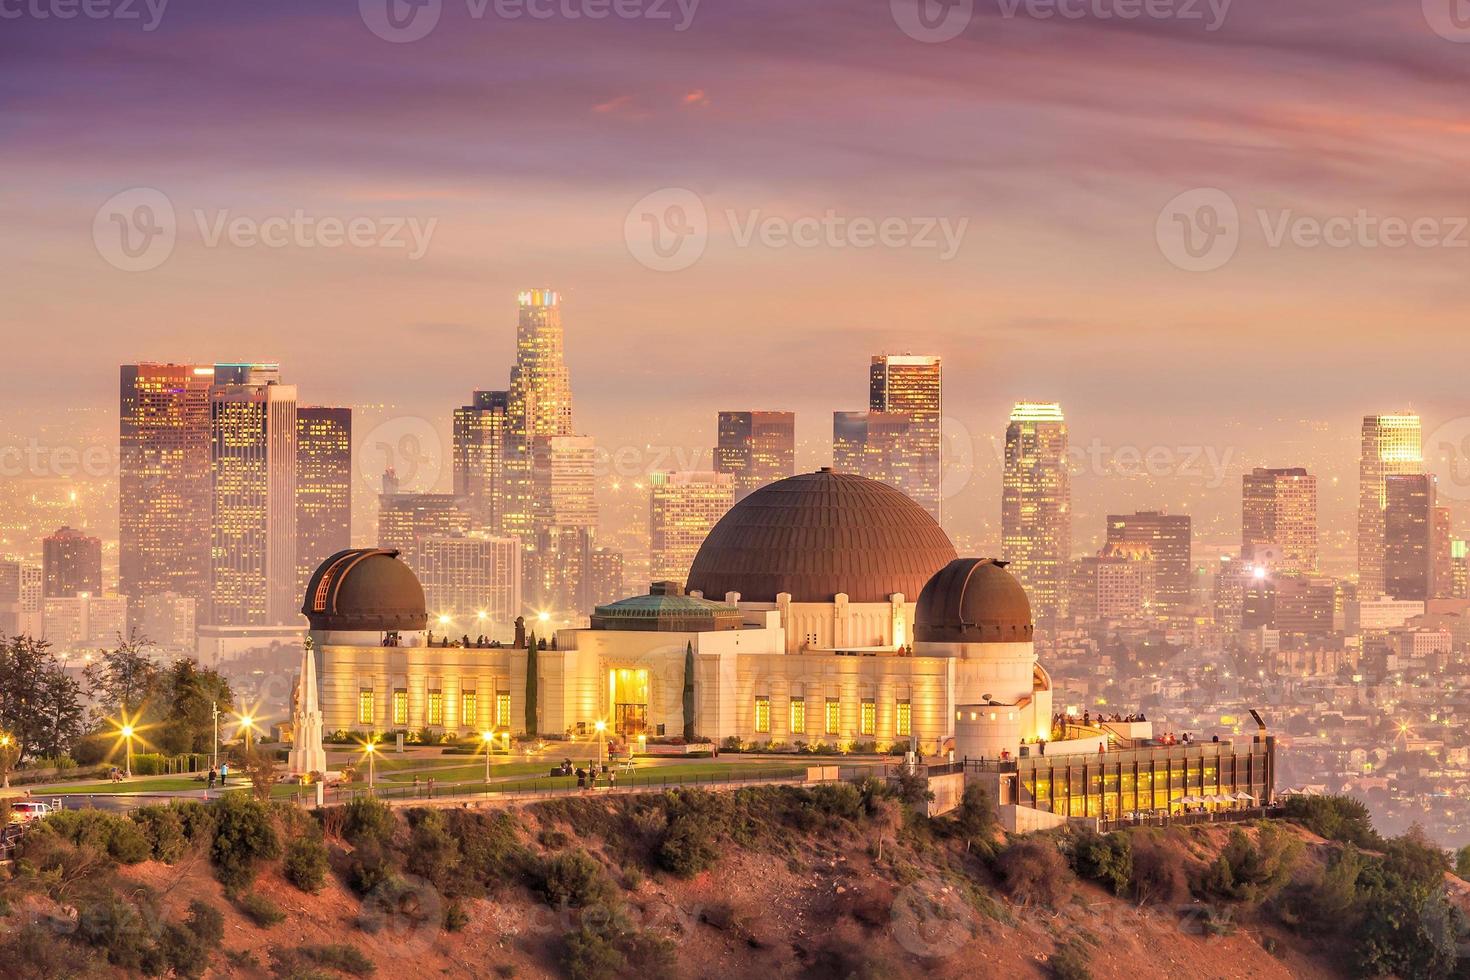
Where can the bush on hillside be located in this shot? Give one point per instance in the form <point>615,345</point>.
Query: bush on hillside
<point>110,833</point>
<point>1033,872</point>
<point>1104,858</point>
<point>244,836</point>
<point>573,878</point>
<point>1340,818</point>
<point>305,865</point>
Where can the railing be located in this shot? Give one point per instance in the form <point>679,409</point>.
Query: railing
<point>561,785</point>
<point>1190,819</point>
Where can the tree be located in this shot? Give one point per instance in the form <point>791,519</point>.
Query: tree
<point>689,692</point>
<point>532,694</point>
<point>1462,862</point>
<point>183,706</point>
<point>123,679</point>
<point>40,706</point>
<point>975,818</point>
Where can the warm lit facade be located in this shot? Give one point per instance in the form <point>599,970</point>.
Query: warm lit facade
<point>1391,445</point>
<point>682,509</point>
<point>756,448</point>
<point>71,562</point>
<point>404,518</point>
<point>1036,504</point>
<point>1408,536</point>
<point>323,486</point>
<point>1169,540</point>
<point>480,434</point>
<point>472,584</point>
<point>872,444</point>
<point>1278,511</point>
<point>910,385</point>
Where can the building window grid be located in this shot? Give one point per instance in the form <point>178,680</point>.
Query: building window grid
<point>834,716</point>
<point>763,714</point>
<point>365,706</point>
<point>400,707</point>
<point>436,709</point>
<point>869,721</point>
<point>905,721</point>
<point>798,716</point>
<point>502,709</point>
<point>469,709</point>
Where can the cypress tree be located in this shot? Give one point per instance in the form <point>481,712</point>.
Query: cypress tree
<point>689,692</point>
<point>532,694</point>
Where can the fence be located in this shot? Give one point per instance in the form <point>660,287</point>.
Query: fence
<point>563,785</point>
<point>1190,819</point>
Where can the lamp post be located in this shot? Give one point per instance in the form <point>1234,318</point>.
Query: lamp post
<point>489,739</point>
<point>601,727</point>
<point>372,754</point>
<point>247,722</point>
<point>127,734</point>
<point>214,759</point>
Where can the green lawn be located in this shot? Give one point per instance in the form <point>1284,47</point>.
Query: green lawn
<point>140,784</point>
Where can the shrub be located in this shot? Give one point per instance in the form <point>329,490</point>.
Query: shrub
<point>1250,872</point>
<point>164,830</point>
<point>369,867</point>
<point>206,922</point>
<point>111,833</point>
<point>974,819</point>
<point>119,930</point>
<point>433,853</point>
<point>298,962</point>
<point>455,916</point>
<point>368,818</point>
<point>32,951</point>
<point>1105,858</point>
<point>1339,818</point>
<point>306,864</point>
<point>1160,869</point>
<point>573,878</point>
<point>1035,873</point>
<point>689,841</point>
<point>1071,961</point>
<point>552,839</point>
<point>244,836</point>
<point>260,910</point>
<point>606,945</point>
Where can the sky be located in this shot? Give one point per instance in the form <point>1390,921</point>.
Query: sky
<point>1234,227</point>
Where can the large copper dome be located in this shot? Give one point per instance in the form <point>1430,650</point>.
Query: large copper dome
<point>365,590</point>
<point>973,600</point>
<point>819,534</point>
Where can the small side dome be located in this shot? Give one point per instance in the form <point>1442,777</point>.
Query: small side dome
<point>973,600</point>
<point>365,590</point>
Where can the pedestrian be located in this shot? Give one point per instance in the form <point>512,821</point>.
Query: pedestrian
<point>581,778</point>
<point>612,778</point>
<point>431,787</point>
<point>224,773</point>
<point>415,784</point>
<point>212,777</point>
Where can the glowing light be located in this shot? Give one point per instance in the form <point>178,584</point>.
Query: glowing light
<point>487,737</point>
<point>126,731</point>
<point>445,620</point>
<point>601,726</point>
<point>543,616</point>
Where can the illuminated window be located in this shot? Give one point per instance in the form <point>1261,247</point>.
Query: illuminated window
<point>905,718</point>
<point>763,714</point>
<point>400,707</point>
<point>436,708</point>
<point>870,716</point>
<point>834,716</point>
<point>502,709</point>
<point>469,709</point>
<point>798,716</point>
<point>365,707</point>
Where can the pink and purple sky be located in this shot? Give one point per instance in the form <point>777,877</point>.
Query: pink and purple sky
<point>1057,140</point>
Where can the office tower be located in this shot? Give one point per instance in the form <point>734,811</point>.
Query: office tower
<point>538,405</point>
<point>1114,584</point>
<point>21,595</point>
<point>565,519</point>
<point>164,480</point>
<point>480,433</point>
<point>606,577</point>
<point>1168,538</point>
<point>169,621</point>
<point>1229,586</point>
<point>910,385</point>
<point>85,620</point>
<point>682,508</point>
<point>405,518</point>
<point>323,487</point>
<point>253,568</point>
<point>1442,559</point>
<point>1408,536</point>
<point>1459,569</point>
<point>71,563</point>
<point>756,448</point>
<point>1279,508</point>
<point>472,584</point>
<point>1391,445</point>
<point>872,444</point>
<point>1036,505</point>
<point>1304,605</point>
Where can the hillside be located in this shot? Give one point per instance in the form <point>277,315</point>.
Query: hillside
<point>773,882</point>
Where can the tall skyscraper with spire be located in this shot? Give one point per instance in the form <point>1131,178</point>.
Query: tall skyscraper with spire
<point>1036,505</point>
<point>1392,446</point>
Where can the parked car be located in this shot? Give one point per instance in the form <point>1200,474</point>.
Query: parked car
<point>24,811</point>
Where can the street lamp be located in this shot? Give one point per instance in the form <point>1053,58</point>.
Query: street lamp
<point>601,727</point>
<point>127,733</point>
<point>372,754</point>
<point>247,723</point>
<point>488,738</point>
<point>214,760</point>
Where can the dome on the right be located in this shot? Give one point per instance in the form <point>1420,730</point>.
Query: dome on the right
<point>973,600</point>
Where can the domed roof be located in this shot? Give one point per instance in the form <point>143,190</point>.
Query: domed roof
<point>666,609</point>
<point>366,590</point>
<point>818,534</point>
<point>973,600</point>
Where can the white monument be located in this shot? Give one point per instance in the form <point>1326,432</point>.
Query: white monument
<point>307,755</point>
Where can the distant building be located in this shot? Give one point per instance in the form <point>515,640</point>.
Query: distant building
<point>756,448</point>
<point>472,584</point>
<point>1169,538</point>
<point>1391,446</point>
<point>682,509</point>
<point>171,621</point>
<point>1408,536</point>
<point>1113,585</point>
<point>404,518</point>
<point>323,486</point>
<point>21,595</point>
<point>480,451</point>
<point>84,620</point>
<point>71,563</point>
<point>606,576</point>
<point>253,522</point>
<point>164,480</point>
<point>872,444</point>
<point>565,518</point>
<point>1279,509</point>
<point>1305,605</point>
<point>1036,505</point>
<point>1442,554</point>
<point>910,385</point>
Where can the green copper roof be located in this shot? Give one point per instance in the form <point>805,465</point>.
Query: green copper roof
<point>665,605</point>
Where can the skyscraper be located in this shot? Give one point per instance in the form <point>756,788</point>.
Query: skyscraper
<point>253,527</point>
<point>480,449</point>
<point>910,385</point>
<point>71,562</point>
<point>1408,536</point>
<point>682,508</point>
<point>323,487</point>
<point>164,480</point>
<point>540,385</point>
<point>1442,543</point>
<point>1036,504</point>
<point>1392,445</point>
<point>406,518</point>
<point>756,448</point>
<point>21,598</point>
<point>1169,538</point>
<point>565,519</point>
<point>606,574</point>
<point>473,582</point>
<point>1278,507</point>
<point>871,444</point>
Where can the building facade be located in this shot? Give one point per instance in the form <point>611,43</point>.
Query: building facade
<point>323,486</point>
<point>71,562</point>
<point>472,584</point>
<point>1391,445</point>
<point>1169,539</point>
<point>682,509</point>
<point>1408,536</point>
<point>1279,510</point>
<point>756,448</point>
<point>910,385</point>
<point>1036,505</point>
